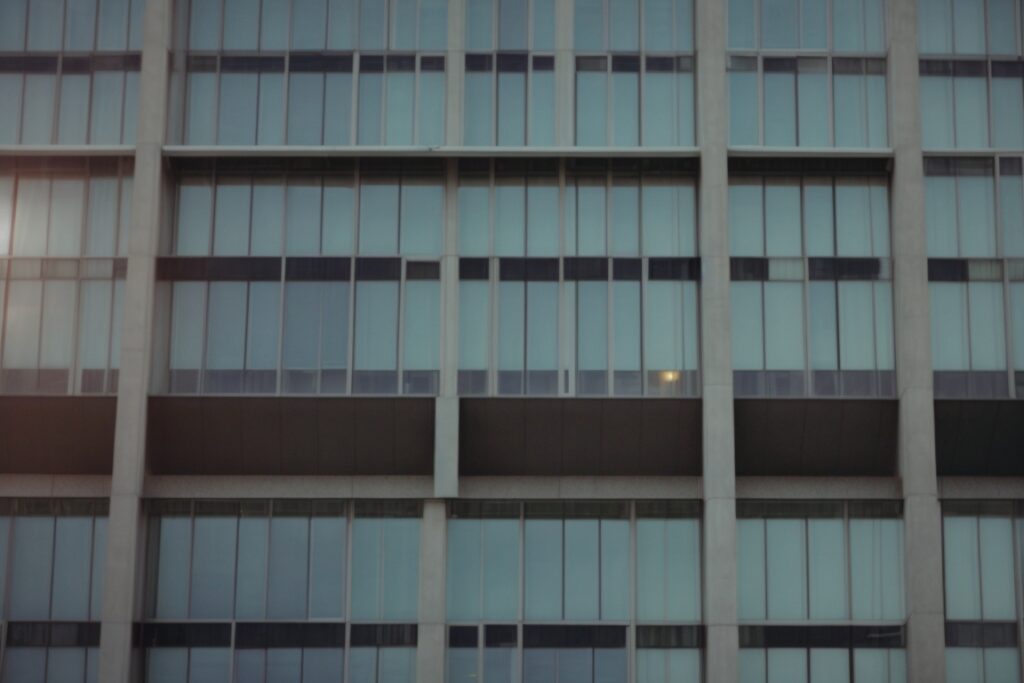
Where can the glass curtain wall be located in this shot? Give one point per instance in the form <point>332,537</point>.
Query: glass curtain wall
<point>63,242</point>
<point>811,286</point>
<point>70,71</point>
<point>52,556</point>
<point>593,568</point>
<point>284,590</point>
<point>577,280</point>
<point>634,73</point>
<point>311,73</point>
<point>807,73</point>
<point>975,221</point>
<point>828,564</point>
<point>981,553</point>
<point>304,283</point>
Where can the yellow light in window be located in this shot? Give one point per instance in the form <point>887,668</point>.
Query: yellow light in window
<point>669,375</point>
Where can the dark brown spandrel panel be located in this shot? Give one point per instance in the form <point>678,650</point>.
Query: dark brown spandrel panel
<point>579,437</point>
<point>816,437</point>
<point>979,438</point>
<point>57,434</point>
<point>298,436</point>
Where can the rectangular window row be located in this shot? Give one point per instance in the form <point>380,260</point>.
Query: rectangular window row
<point>518,25</point>
<point>824,562</point>
<point>71,25</point>
<point>66,211</point>
<point>840,26</point>
<point>509,100</point>
<point>823,665</point>
<point>283,560</point>
<point>304,335</point>
<point>50,663</point>
<point>981,550</point>
<point>807,102</point>
<point>972,104</point>
<point>975,220</point>
<point>620,326</point>
<point>620,104</point>
<point>969,27</point>
<point>274,25</point>
<point>248,652</point>
<point>583,654</point>
<point>582,210</point>
<point>632,25</point>
<point>69,100</point>
<point>305,99</point>
<point>572,562</point>
<point>811,291</point>
<point>52,554</point>
<point>235,214</point>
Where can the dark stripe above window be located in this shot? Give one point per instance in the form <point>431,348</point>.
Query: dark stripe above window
<point>585,268</point>
<point>528,269</point>
<point>218,268</point>
<point>54,507</point>
<point>35,64</point>
<point>668,508</point>
<point>758,509</point>
<point>474,268</point>
<point>748,269</point>
<point>319,269</point>
<point>691,635</point>
<point>315,62</point>
<point>301,634</point>
<point>53,634</point>
<point>577,509</point>
<point>479,62</point>
<point>673,268</point>
<point>947,270</point>
<point>822,636</point>
<point>378,269</point>
<point>627,269</point>
<point>431,63</point>
<point>462,636</point>
<point>844,268</point>
<point>484,509</point>
<point>512,62</point>
<point>500,636</point>
<point>383,635</point>
<point>591,63</point>
<point>981,634</point>
<point>574,636</point>
<point>251,64</point>
<point>626,63</point>
<point>422,270</point>
<point>191,634</point>
<point>543,63</point>
<point>809,166</point>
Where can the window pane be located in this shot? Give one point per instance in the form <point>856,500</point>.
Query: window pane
<point>204,28</point>
<point>267,216</point>
<point>813,109</point>
<point>1008,110</point>
<point>274,25</point>
<point>270,130</point>
<point>784,329</point>
<point>308,21</point>
<point>327,568</point>
<point>949,325</point>
<point>378,218</point>
<point>241,24</point>
<point>935,30</point>
<point>786,573</point>
<point>37,115</point>
<point>511,109</point>
<point>400,97</point>
<point>463,572</point>
<point>72,127</point>
<point>72,561</point>
<point>779,23</point>
<point>479,24</point>
<point>977,216</point>
<point>787,664</point>
<point>830,665</point>
<point>67,209</point>
<point>961,570</point>
<point>589,25</point>
<point>338,109</point>
<point>856,334</point>
<point>780,109</point>
<point>591,108</point>
<point>479,115</point>
<point>849,105</point>
<point>626,114</point>
<point>936,112</point>
<point>202,98</point>
<point>370,97</point>
<point>876,568</point>
<point>288,568</point>
<point>746,226</point>
<point>107,103</point>
<point>747,326</point>
<point>302,217</point>
<point>826,552</point>
<point>231,218</point>
<point>366,569</point>
<point>543,569</point>
<point>251,582</point>
<point>305,108</point>
<point>988,338</point>
<point>422,326</point>
<point>376,333</point>
<point>175,539</point>
<point>430,108</point>
<point>237,118</point>
<point>743,107</point>
<point>213,567</point>
<point>782,218</point>
<point>970,100</point>
<point>941,216</point>
<point>541,126</point>
<point>422,211</point>
<point>625,213</point>
<point>400,551</point>
<point>750,567</point>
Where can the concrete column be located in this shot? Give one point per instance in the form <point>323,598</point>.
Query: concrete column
<point>455,71</point>
<point>430,650</point>
<point>446,405</point>
<point>719,474</point>
<point>122,597</point>
<point>565,75</point>
<point>922,516</point>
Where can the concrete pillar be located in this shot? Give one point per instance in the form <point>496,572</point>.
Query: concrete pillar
<point>565,75</point>
<point>719,469</point>
<point>122,597</point>
<point>446,405</point>
<point>922,516</point>
<point>430,650</point>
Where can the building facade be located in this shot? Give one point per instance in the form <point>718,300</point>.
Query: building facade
<point>553,341</point>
